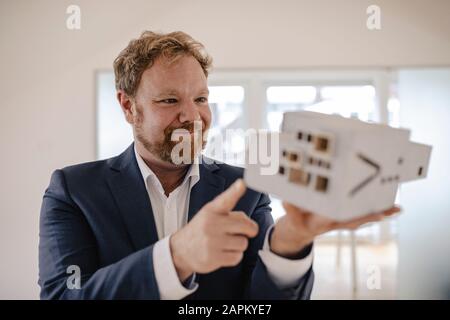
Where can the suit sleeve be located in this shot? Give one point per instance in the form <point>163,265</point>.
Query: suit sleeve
<point>259,283</point>
<point>65,239</point>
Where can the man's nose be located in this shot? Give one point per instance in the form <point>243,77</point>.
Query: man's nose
<point>189,112</point>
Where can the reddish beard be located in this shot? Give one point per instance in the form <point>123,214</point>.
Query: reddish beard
<point>163,149</point>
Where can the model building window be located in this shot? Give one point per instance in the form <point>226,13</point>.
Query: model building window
<point>321,183</point>
<point>321,143</point>
<point>299,176</point>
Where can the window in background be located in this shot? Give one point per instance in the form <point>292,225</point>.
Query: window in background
<point>394,112</point>
<point>224,143</point>
<point>348,101</point>
<point>282,99</point>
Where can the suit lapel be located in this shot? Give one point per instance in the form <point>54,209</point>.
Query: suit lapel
<point>207,188</point>
<point>130,194</point>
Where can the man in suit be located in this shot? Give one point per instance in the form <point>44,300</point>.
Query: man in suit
<point>144,225</point>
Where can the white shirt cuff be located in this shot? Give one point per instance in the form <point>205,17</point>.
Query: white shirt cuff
<point>285,273</point>
<point>169,285</point>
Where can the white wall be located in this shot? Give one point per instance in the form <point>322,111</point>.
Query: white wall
<point>47,77</point>
<point>424,238</point>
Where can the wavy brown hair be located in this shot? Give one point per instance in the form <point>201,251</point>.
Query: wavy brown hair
<point>141,53</point>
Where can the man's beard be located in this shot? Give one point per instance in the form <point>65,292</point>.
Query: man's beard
<point>164,149</point>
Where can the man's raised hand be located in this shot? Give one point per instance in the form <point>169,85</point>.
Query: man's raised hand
<point>216,237</point>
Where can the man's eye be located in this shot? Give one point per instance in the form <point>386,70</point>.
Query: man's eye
<point>202,99</point>
<point>169,101</point>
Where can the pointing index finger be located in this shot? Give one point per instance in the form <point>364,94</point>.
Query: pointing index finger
<point>227,200</point>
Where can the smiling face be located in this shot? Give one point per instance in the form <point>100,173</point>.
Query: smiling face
<point>170,96</point>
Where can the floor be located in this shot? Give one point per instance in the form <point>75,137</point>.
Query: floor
<point>376,271</point>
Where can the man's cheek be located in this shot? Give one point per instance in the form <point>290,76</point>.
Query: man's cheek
<point>154,134</point>
<point>205,116</point>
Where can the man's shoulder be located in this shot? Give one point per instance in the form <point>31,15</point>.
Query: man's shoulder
<point>91,167</point>
<point>101,167</point>
<point>85,174</point>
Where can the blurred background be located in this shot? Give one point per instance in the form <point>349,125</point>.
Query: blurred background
<point>58,108</point>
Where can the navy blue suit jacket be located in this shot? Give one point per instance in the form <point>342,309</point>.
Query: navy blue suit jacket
<point>98,217</point>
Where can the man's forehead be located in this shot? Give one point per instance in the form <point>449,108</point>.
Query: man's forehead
<point>176,91</point>
<point>183,75</point>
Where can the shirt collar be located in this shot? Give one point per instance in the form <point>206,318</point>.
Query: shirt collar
<point>147,173</point>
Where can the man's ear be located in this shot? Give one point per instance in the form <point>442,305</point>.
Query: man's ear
<point>127,105</point>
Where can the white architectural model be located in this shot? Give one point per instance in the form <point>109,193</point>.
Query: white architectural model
<point>338,167</point>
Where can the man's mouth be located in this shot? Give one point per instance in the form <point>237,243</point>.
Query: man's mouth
<point>187,130</point>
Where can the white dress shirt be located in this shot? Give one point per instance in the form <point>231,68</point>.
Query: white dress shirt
<point>171,213</point>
